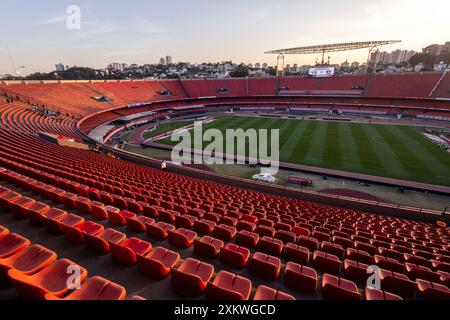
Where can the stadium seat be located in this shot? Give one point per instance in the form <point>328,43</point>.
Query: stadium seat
<point>420,272</point>
<point>265,293</point>
<point>224,232</point>
<point>160,231</point>
<point>234,256</point>
<point>192,277</point>
<point>311,243</point>
<point>326,263</point>
<point>270,246</point>
<point>228,286</point>
<point>389,264</point>
<point>3,231</point>
<point>397,283</point>
<point>432,291</point>
<point>182,238</point>
<point>95,288</point>
<point>332,248</point>
<point>247,239</point>
<point>11,244</point>
<point>356,271</point>
<point>139,224</point>
<point>127,253</point>
<point>35,211</point>
<point>300,278</point>
<point>204,227</point>
<point>265,266</point>
<point>77,234</point>
<point>51,280</point>
<point>376,294</point>
<point>52,220</point>
<point>158,263</point>
<point>359,256</point>
<point>27,261</point>
<point>336,288</point>
<point>120,219</point>
<point>297,254</point>
<point>265,231</point>
<point>208,247</point>
<point>100,243</point>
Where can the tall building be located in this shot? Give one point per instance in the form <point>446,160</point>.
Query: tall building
<point>395,57</point>
<point>437,49</point>
<point>258,65</point>
<point>162,61</point>
<point>115,66</point>
<point>59,67</point>
<point>168,60</point>
<point>265,65</point>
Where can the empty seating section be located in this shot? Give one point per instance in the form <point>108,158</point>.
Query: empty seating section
<point>205,239</point>
<point>404,85</point>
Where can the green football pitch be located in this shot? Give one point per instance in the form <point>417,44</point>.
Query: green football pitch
<point>399,152</point>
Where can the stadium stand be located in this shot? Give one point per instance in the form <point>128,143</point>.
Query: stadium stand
<point>212,240</point>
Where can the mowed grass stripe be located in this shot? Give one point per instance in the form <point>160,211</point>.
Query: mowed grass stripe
<point>414,167</point>
<point>317,146</point>
<point>305,142</point>
<point>391,165</point>
<point>441,156</point>
<point>332,152</point>
<point>292,143</point>
<point>367,155</point>
<point>350,158</point>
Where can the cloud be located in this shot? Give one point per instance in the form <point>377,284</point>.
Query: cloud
<point>146,26</point>
<point>52,20</point>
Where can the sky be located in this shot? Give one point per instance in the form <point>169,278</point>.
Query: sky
<point>36,35</point>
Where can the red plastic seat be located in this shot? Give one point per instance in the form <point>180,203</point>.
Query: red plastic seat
<point>185,221</point>
<point>28,261</point>
<point>158,263</point>
<point>120,219</point>
<point>95,288</point>
<point>265,231</point>
<point>388,264</point>
<point>52,220</point>
<point>234,256</point>
<point>7,198</point>
<point>127,252</point>
<point>432,291</point>
<point>300,278</point>
<point>139,224</point>
<point>99,211</point>
<point>332,248</point>
<point>224,232</point>
<point>359,256</point>
<point>342,241</point>
<point>285,236</point>
<point>208,247</point>
<point>265,293</point>
<point>11,244</point>
<point>100,243</point>
<point>397,283</point>
<point>308,242</point>
<point>182,238</point>
<point>77,234</point>
<point>335,288</point>
<point>51,280</point>
<point>3,232</point>
<point>245,225</point>
<point>20,205</point>
<point>204,227</point>
<point>376,294</point>
<point>356,271</point>
<point>228,286</point>
<point>160,231</point>
<point>84,205</point>
<point>168,216</point>
<point>247,239</point>
<point>297,254</point>
<point>327,263</point>
<point>420,272</point>
<point>270,246</point>
<point>35,211</point>
<point>265,266</point>
<point>192,277</point>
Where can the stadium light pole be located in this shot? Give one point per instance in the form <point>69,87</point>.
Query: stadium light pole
<point>280,58</point>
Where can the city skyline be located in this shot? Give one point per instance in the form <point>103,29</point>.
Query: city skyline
<point>200,31</point>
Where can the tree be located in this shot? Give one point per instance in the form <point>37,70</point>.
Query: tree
<point>424,58</point>
<point>241,71</point>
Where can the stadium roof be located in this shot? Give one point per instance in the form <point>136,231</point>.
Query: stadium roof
<point>333,47</point>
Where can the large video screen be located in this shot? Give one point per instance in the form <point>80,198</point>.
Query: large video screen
<point>322,72</point>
